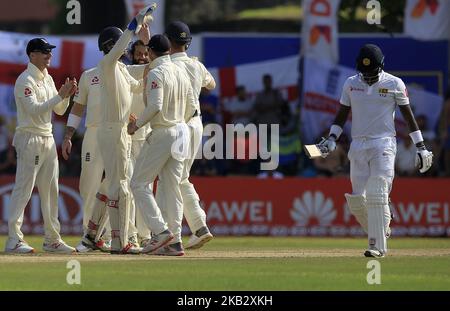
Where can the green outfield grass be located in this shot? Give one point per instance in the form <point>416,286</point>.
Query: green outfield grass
<point>240,264</point>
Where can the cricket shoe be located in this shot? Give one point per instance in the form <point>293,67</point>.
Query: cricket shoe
<point>59,247</point>
<point>101,245</point>
<point>174,249</point>
<point>80,248</point>
<point>144,242</point>
<point>15,246</point>
<point>373,253</point>
<point>134,240</point>
<point>200,238</point>
<point>158,240</point>
<point>129,249</point>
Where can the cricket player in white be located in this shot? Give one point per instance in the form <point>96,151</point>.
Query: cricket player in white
<point>37,161</point>
<point>139,55</point>
<point>180,38</point>
<point>87,98</point>
<point>372,96</point>
<point>116,85</point>
<point>169,103</point>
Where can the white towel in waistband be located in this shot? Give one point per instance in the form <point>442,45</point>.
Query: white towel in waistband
<point>180,148</point>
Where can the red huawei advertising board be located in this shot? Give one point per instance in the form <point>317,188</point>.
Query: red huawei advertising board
<point>277,207</point>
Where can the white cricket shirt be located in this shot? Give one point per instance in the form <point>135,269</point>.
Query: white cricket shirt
<point>169,98</point>
<point>88,94</point>
<point>198,74</point>
<point>116,83</point>
<point>36,96</point>
<point>137,102</point>
<point>373,107</point>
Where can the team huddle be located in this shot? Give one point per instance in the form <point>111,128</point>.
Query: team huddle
<point>137,118</point>
<point>135,114</point>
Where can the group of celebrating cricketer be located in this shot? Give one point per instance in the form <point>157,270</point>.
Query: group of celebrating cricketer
<point>143,122</point>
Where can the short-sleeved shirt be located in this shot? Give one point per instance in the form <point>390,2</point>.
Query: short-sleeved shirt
<point>373,107</point>
<point>198,74</point>
<point>88,94</point>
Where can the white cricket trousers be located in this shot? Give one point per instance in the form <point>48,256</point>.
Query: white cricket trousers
<point>37,163</point>
<point>156,159</point>
<point>195,215</point>
<point>372,172</point>
<point>371,158</point>
<point>91,173</point>
<point>135,213</point>
<point>115,148</point>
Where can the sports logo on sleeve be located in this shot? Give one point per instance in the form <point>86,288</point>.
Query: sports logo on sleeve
<point>27,92</point>
<point>95,80</point>
<point>154,85</point>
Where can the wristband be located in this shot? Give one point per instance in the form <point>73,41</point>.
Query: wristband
<point>335,130</point>
<point>416,136</point>
<point>73,121</point>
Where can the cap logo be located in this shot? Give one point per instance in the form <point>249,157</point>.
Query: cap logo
<point>366,61</point>
<point>183,35</point>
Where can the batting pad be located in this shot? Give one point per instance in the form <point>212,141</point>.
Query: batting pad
<point>377,193</point>
<point>357,206</point>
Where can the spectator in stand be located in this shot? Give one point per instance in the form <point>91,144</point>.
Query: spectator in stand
<point>268,103</point>
<point>289,144</point>
<point>240,108</point>
<point>239,111</point>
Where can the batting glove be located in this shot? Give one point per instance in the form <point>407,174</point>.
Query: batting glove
<point>327,145</point>
<point>424,158</point>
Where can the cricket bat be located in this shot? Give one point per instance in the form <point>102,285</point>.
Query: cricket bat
<point>316,151</point>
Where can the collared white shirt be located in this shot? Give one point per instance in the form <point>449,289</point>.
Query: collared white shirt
<point>36,96</point>
<point>169,97</point>
<point>88,94</point>
<point>373,107</point>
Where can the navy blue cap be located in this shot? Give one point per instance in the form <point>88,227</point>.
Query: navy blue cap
<point>179,32</point>
<point>39,45</point>
<point>159,43</point>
